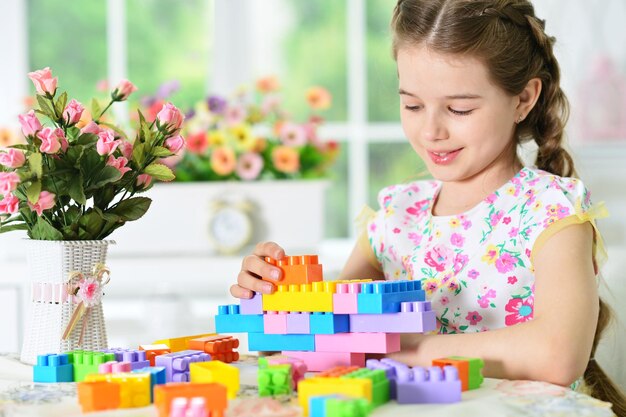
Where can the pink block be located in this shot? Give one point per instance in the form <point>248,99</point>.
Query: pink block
<point>275,322</point>
<point>358,342</point>
<point>321,361</point>
<point>299,323</point>
<point>345,299</point>
<point>298,366</point>
<point>113,367</point>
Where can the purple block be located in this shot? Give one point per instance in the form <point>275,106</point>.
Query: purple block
<point>429,386</point>
<point>177,364</point>
<point>390,373</point>
<point>137,358</point>
<point>299,323</point>
<point>414,317</point>
<point>252,305</point>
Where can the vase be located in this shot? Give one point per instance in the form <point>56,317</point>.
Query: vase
<point>51,305</point>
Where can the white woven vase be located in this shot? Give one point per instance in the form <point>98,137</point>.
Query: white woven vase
<point>50,264</point>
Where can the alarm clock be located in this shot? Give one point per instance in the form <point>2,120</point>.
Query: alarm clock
<point>230,227</point>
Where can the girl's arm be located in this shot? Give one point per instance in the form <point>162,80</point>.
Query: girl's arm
<point>360,264</point>
<point>556,344</point>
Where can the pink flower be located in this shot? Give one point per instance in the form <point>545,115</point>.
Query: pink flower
<point>396,230</point>
<point>292,134</point>
<point>491,198</point>
<point>249,166</point>
<point>453,286</point>
<point>495,217</point>
<point>144,180</point>
<point>486,298</point>
<point>44,83</point>
<point>12,158</point>
<point>89,291</point>
<point>513,232</point>
<point>235,115</point>
<point>170,117</point>
<point>512,279</point>
<point>106,144</point>
<point>419,209</point>
<point>50,139</point>
<point>123,90</point>
<point>91,127</point>
<point>45,202</point>
<point>439,257</point>
<point>8,182</point>
<point>118,163</point>
<point>72,112</point>
<point>10,204</point>
<point>457,239</point>
<point>175,143</point>
<point>506,262</point>
<point>522,311</point>
<point>30,123</point>
<point>444,300</point>
<point>415,238</point>
<point>459,262</point>
<point>126,148</point>
<point>197,142</point>
<point>506,220</point>
<point>473,274</point>
<point>473,317</point>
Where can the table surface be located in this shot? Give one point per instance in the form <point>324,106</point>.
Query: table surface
<point>19,396</point>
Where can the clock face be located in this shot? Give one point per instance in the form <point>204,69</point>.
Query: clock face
<point>230,229</point>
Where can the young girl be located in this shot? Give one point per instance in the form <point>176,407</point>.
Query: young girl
<point>506,253</point>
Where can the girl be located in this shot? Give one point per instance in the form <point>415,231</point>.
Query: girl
<point>506,253</point>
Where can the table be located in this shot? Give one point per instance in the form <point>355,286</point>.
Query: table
<point>20,397</point>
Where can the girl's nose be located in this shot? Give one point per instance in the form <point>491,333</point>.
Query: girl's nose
<point>434,128</point>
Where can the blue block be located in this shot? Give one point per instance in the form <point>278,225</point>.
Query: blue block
<point>261,341</point>
<point>329,323</point>
<point>229,320</point>
<point>385,297</point>
<point>317,405</point>
<point>53,368</point>
<point>157,377</point>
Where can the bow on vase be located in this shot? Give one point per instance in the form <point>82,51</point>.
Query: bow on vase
<point>87,293</point>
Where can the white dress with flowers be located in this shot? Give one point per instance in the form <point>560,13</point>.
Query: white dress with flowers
<point>476,267</point>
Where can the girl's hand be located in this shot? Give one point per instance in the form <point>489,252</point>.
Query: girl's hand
<point>254,267</point>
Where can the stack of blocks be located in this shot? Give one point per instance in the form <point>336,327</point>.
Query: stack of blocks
<point>327,324</point>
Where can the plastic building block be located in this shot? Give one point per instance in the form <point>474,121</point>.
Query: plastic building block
<point>345,299</point>
<point>152,351</point>
<point>380,384</point>
<point>338,406</point>
<point>214,395</point>
<point>177,364</point>
<point>358,342</point>
<point>469,370</point>
<point>429,386</point>
<point>221,348</point>
<point>87,362</point>
<point>320,361</point>
<point>391,369</point>
<point>299,323</point>
<point>275,322</point>
<point>303,269</point>
<point>229,320</point>
<point>414,317</point>
<point>136,358</point>
<point>53,368</point>
<point>252,305</point>
<point>298,367</point>
<point>98,395</point>
<point>329,323</point>
<point>114,367</point>
<point>134,387</point>
<point>185,407</point>
<point>385,297</point>
<point>275,380</point>
<point>317,296</point>
<point>357,388</point>
<point>276,342</point>
<point>216,371</point>
<point>337,371</point>
<point>157,377</point>
<point>177,344</point>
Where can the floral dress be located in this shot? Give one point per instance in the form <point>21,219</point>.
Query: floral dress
<point>476,267</point>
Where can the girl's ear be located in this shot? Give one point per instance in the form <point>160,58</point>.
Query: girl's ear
<point>528,98</point>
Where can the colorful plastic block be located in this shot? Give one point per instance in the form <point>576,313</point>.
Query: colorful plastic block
<point>177,364</point>
<point>177,344</point>
<point>216,371</point>
<point>114,367</point>
<point>329,323</point>
<point>337,371</point>
<point>358,342</point>
<point>299,323</point>
<point>414,317</point>
<point>275,380</point>
<point>188,407</point>
<point>275,322</point>
<point>214,394</point>
<point>298,367</point>
<point>229,320</point>
<point>429,386</point>
<point>87,362</point>
<point>152,351</point>
<point>134,387</point>
<point>357,388</point>
<point>391,369</point>
<point>277,342</point>
<point>221,348</point>
<point>320,361</point>
<point>53,368</point>
<point>317,296</point>
<point>252,305</point>
<point>385,297</point>
<point>157,377</point>
<point>345,299</point>
<point>338,406</point>
<point>136,358</point>
<point>303,269</point>
<point>469,370</point>
<point>380,384</point>
<point>98,395</point>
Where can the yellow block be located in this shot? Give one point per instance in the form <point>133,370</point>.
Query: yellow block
<point>177,344</point>
<point>134,388</point>
<point>216,371</point>
<point>357,388</point>
<point>315,297</point>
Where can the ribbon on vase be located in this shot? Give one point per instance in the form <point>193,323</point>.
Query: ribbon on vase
<point>87,292</point>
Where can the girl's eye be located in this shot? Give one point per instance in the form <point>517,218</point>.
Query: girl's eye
<point>412,108</point>
<point>460,112</point>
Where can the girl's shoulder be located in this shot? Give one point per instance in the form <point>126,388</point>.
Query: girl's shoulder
<point>407,193</point>
<point>549,189</point>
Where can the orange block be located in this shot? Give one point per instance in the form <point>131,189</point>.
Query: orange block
<point>461,366</point>
<point>152,351</point>
<point>337,371</point>
<point>213,393</point>
<point>220,347</point>
<point>98,395</point>
<point>303,269</point>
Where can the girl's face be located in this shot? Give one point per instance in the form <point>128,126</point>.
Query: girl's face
<point>457,121</point>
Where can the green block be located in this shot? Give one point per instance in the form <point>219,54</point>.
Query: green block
<point>87,362</point>
<point>275,380</point>
<point>475,375</point>
<point>348,407</point>
<point>380,384</point>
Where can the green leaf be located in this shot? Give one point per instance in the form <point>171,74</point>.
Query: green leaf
<point>60,104</point>
<point>91,223</point>
<point>103,196</point>
<point>33,191</point>
<point>95,109</point>
<point>87,139</point>
<point>139,154</point>
<point>20,146</point>
<point>90,163</point>
<point>160,172</point>
<point>106,175</point>
<point>73,155</point>
<point>44,231</point>
<point>72,214</point>
<point>76,190</point>
<point>132,209</point>
<point>35,161</point>
<point>11,227</point>
<point>45,108</point>
<point>161,152</point>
